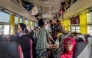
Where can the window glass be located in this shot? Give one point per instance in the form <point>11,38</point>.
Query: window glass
<point>73,30</point>
<point>77,27</point>
<point>36,25</point>
<point>90,29</point>
<point>20,20</point>
<point>77,30</point>
<point>26,22</point>
<point>4,29</point>
<point>4,17</point>
<point>30,23</point>
<point>16,20</point>
<point>89,17</point>
<point>73,27</point>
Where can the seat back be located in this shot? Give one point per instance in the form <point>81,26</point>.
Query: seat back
<point>89,39</point>
<point>86,36</point>
<point>10,50</point>
<point>3,38</point>
<point>83,50</point>
<point>13,38</point>
<point>31,48</point>
<point>79,39</point>
<point>24,41</point>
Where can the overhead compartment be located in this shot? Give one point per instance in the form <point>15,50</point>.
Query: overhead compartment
<point>15,7</point>
<point>77,7</point>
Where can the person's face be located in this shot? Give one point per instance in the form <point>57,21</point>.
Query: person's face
<point>50,22</point>
<point>39,17</point>
<point>57,23</point>
<point>19,27</point>
<point>68,45</point>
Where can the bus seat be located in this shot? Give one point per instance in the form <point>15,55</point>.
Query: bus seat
<point>3,38</point>
<point>31,49</point>
<point>86,37</point>
<point>89,39</point>
<point>24,41</point>
<point>13,38</point>
<point>10,50</point>
<point>83,50</point>
<point>79,39</point>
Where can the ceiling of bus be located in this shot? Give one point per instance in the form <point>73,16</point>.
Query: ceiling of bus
<point>48,6</point>
<point>16,8</point>
<point>53,6</point>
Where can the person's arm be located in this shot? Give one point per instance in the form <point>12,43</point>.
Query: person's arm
<point>49,36</point>
<point>52,39</point>
<point>34,36</point>
<point>61,29</point>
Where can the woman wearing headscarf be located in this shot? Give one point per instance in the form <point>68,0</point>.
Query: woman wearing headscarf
<point>69,44</point>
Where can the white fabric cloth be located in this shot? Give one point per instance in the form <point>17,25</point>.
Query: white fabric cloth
<point>48,28</point>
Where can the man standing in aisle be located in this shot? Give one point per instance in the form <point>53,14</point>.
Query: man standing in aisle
<point>41,36</point>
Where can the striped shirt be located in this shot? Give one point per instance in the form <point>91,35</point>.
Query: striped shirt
<point>41,35</point>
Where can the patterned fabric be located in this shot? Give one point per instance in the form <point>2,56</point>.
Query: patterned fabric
<point>41,53</point>
<point>41,36</point>
<point>48,28</point>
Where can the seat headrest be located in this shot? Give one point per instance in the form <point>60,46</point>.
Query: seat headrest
<point>3,38</point>
<point>79,39</point>
<point>87,35</point>
<point>9,50</point>
<point>83,50</point>
<point>24,41</point>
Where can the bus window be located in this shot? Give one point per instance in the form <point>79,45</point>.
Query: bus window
<point>4,17</point>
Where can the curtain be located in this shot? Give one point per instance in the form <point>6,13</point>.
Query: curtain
<point>67,24</point>
<point>83,23</point>
<point>18,20</point>
<point>29,25</point>
<point>12,24</point>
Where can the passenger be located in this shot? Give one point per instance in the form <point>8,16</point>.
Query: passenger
<point>86,37</point>
<point>79,39</point>
<point>31,33</point>
<point>35,28</point>
<point>47,27</point>
<point>74,33</point>
<point>51,25</point>
<point>59,28</point>
<point>41,36</point>
<point>71,35</point>
<point>54,33</point>
<point>69,44</point>
<point>22,29</point>
<point>61,39</point>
